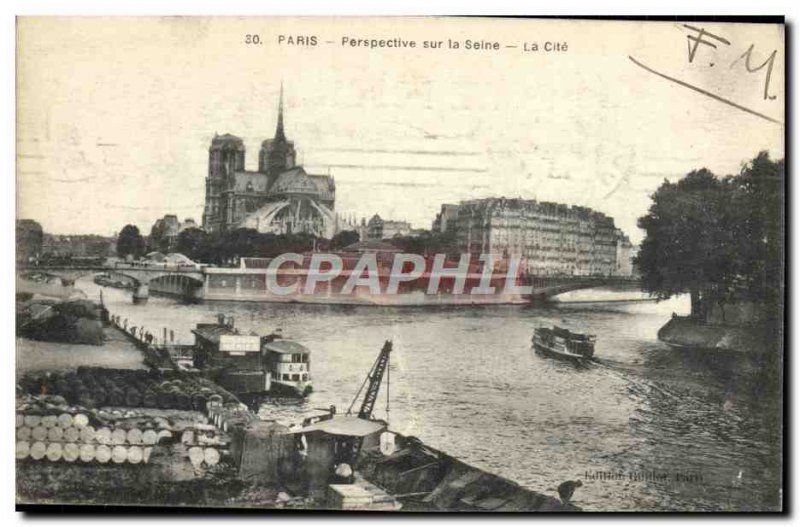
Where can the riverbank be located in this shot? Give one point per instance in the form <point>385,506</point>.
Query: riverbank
<point>688,332</point>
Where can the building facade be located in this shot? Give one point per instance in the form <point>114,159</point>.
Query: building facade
<point>380,229</point>
<point>280,197</point>
<point>445,217</point>
<point>549,238</point>
<point>164,232</point>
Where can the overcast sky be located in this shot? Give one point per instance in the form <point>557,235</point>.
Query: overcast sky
<point>115,116</point>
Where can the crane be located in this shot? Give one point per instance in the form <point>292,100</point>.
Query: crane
<point>373,383</point>
<point>374,377</point>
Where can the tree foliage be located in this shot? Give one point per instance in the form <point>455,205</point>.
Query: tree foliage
<point>719,240</point>
<point>130,241</point>
<point>191,242</point>
<point>342,239</point>
<point>222,248</point>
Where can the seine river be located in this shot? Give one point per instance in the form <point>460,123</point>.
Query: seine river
<point>646,428</point>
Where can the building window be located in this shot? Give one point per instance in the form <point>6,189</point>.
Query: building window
<point>285,376</point>
<point>296,377</point>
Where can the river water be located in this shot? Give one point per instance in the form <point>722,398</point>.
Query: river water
<point>646,428</point>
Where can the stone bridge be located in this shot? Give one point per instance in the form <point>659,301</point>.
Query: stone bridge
<point>186,281</point>
<point>549,286</point>
<point>164,278</point>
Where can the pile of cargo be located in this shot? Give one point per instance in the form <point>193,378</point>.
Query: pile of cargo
<point>205,445</point>
<point>48,429</point>
<point>102,415</point>
<point>96,387</point>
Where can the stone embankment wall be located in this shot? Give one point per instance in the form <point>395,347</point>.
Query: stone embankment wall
<point>690,332</point>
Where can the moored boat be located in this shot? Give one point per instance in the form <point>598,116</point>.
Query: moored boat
<point>564,344</point>
<point>249,365</point>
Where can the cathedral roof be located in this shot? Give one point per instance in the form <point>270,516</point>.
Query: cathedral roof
<point>256,180</point>
<point>295,181</point>
<point>325,184</point>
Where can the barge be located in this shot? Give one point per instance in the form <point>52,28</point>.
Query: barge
<point>249,365</point>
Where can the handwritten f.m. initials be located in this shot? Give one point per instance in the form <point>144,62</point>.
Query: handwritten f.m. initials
<point>770,62</point>
<point>694,41</point>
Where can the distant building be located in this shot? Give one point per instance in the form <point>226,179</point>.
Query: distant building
<point>30,238</point>
<point>280,197</point>
<point>380,229</point>
<point>550,238</point>
<point>164,233</point>
<point>79,245</point>
<point>445,217</point>
<point>351,223</point>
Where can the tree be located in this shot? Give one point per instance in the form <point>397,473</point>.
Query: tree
<point>720,240</point>
<point>191,242</point>
<point>130,241</point>
<point>343,239</point>
<point>758,204</point>
<point>29,240</point>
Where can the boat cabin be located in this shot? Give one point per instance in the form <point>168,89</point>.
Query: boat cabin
<point>289,365</point>
<point>563,343</point>
<point>251,364</point>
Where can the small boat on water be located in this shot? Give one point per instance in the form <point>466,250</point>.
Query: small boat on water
<point>560,343</point>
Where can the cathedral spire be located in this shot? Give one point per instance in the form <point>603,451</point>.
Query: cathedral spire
<point>279,134</point>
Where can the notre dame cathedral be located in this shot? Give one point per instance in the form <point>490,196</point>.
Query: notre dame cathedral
<point>280,197</point>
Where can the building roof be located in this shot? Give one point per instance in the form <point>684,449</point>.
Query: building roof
<point>325,184</point>
<point>256,180</point>
<point>286,346</point>
<point>344,425</point>
<point>294,181</point>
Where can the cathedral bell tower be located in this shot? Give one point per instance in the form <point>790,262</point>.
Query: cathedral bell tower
<point>225,156</point>
<point>277,154</point>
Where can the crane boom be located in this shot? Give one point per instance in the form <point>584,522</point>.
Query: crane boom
<point>375,378</point>
<point>352,445</point>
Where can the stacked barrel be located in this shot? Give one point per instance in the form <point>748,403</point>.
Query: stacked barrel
<point>204,445</point>
<point>108,416</point>
<point>45,433</point>
<point>96,387</point>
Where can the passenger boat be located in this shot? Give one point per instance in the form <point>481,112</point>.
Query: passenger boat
<point>248,365</point>
<point>564,344</point>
